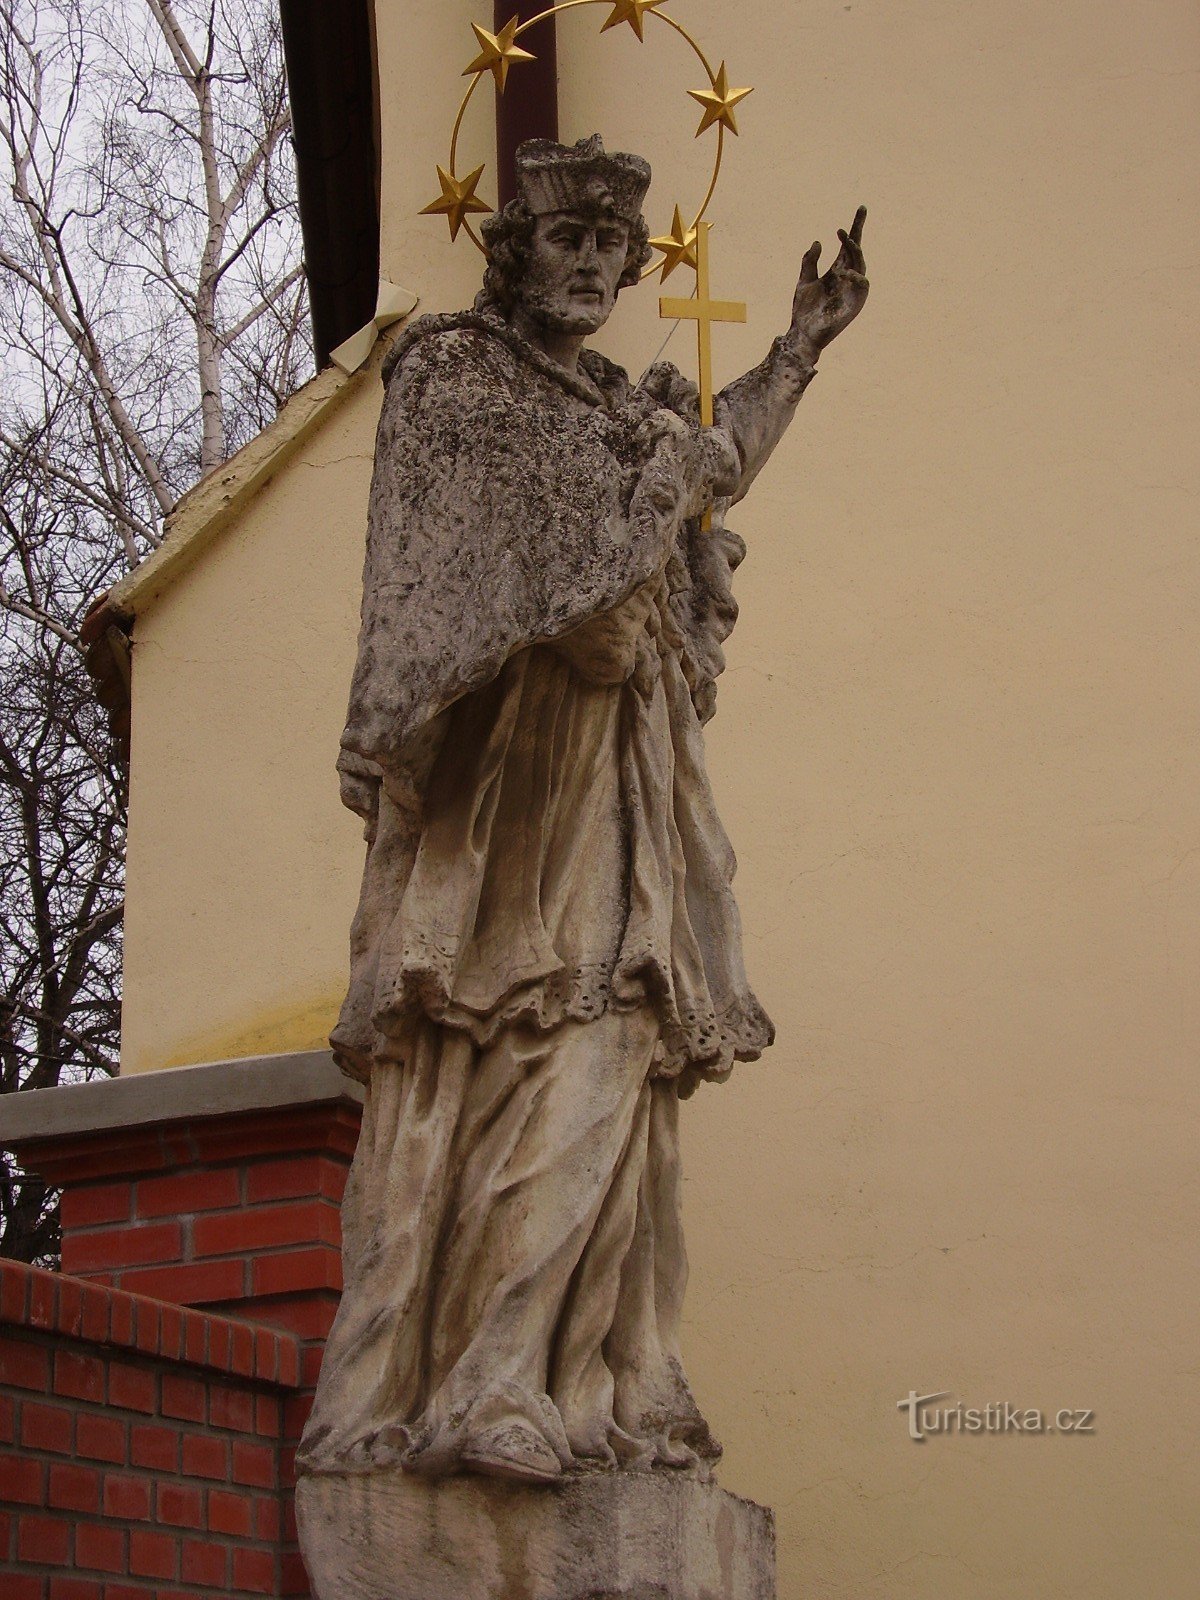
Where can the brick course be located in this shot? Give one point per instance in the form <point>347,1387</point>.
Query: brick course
<point>129,1468</point>
<point>183,1211</point>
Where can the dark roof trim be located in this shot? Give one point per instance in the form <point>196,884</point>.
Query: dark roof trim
<point>528,108</point>
<point>329,52</point>
<point>105,640</point>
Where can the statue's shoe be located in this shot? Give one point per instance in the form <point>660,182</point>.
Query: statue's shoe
<point>512,1450</point>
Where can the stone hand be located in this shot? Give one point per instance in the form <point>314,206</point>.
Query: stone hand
<point>691,464</point>
<point>360,784</point>
<point>824,305</point>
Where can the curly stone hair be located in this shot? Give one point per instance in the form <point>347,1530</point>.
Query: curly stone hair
<point>508,235</point>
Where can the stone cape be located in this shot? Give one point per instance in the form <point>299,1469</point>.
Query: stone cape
<point>501,520</point>
<point>515,504</point>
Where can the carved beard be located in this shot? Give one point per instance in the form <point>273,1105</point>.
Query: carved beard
<point>548,301</point>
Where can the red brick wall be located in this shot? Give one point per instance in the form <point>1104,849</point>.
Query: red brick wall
<point>236,1213</point>
<point>145,1449</point>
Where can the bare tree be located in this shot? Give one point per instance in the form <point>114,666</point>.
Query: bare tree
<point>153,318</point>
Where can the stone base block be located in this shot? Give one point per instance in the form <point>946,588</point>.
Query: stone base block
<point>619,1536</point>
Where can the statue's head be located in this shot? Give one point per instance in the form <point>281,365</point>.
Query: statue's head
<point>572,239</point>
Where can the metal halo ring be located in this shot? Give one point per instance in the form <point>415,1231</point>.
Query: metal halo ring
<point>543,16</point>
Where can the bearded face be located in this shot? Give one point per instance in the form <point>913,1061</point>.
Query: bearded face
<point>573,267</point>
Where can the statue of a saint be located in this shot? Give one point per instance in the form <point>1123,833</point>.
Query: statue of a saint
<point>547,956</point>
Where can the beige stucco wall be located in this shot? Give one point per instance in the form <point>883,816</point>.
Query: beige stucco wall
<point>242,861</point>
<point>955,748</point>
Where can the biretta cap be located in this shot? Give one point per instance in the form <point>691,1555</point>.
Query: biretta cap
<point>581,178</point>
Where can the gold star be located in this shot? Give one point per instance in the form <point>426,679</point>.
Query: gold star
<point>457,198</point>
<point>678,246</point>
<point>498,53</point>
<point>632,12</point>
<point>718,103</point>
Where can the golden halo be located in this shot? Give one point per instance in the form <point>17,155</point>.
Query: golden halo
<point>500,52</point>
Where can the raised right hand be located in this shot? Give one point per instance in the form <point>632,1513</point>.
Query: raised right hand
<point>824,306</point>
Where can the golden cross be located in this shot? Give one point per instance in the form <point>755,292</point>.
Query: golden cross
<point>703,311</point>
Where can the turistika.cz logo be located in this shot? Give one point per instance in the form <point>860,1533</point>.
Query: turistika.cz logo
<point>925,1417</point>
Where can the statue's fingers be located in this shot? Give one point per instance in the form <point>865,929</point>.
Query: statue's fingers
<point>851,253</point>
<point>808,267</point>
<point>853,289</point>
<point>856,227</point>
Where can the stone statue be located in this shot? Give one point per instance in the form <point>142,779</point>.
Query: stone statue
<point>546,956</point>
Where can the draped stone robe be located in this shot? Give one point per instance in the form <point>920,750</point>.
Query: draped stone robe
<point>547,953</point>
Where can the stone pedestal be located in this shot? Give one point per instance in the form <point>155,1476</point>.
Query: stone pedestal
<point>616,1536</point>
